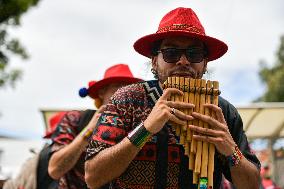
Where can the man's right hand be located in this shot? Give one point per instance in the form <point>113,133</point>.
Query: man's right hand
<point>161,113</point>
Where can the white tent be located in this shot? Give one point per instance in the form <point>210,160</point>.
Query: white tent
<point>263,120</point>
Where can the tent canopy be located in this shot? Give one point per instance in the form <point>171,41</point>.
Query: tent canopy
<point>263,120</point>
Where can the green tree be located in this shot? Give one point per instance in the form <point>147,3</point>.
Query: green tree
<point>273,77</point>
<point>10,14</point>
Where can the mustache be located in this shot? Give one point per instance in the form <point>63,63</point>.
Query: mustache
<point>184,70</point>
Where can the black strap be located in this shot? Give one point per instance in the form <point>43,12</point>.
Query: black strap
<point>44,181</point>
<point>162,159</point>
<point>85,118</point>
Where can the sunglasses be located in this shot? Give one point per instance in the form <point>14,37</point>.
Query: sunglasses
<point>193,54</point>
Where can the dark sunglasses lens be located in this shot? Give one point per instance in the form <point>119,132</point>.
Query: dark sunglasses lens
<point>171,55</point>
<point>195,55</point>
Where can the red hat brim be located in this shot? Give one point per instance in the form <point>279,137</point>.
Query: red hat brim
<point>94,89</point>
<point>48,134</point>
<point>215,47</point>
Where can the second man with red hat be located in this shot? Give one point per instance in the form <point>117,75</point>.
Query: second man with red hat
<point>70,139</point>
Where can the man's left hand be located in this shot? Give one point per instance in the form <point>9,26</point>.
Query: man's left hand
<point>218,133</point>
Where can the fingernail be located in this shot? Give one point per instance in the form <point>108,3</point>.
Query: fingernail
<point>190,117</point>
<point>194,113</point>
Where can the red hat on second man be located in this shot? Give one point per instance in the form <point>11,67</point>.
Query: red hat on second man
<point>119,73</point>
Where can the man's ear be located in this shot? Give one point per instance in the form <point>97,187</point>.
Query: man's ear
<point>154,62</point>
<point>101,93</point>
<point>205,66</point>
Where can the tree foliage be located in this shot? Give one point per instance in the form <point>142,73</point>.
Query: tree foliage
<point>273,77</point>
<point>10,14</point>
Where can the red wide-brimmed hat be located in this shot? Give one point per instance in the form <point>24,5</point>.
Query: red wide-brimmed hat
<point>53,122</point>
<point>181,22</point>
<point>119,73</point>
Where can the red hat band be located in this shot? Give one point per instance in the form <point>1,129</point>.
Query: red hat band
<point>181,27</point>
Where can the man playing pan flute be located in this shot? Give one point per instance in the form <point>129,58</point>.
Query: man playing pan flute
<point>135,143</point>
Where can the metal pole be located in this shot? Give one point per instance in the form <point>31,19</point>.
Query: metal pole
<point>271,142</point>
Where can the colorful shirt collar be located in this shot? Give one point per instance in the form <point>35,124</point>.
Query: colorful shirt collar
<point>153,91</point>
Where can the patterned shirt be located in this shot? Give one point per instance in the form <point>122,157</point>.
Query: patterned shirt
<point>65,133</point>
<point>161,162</point>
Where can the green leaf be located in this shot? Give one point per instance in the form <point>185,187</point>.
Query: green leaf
<point>273,77</point>
<point>10,15</point>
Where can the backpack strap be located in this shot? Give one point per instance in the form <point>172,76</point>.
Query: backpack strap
<point>44,181</point>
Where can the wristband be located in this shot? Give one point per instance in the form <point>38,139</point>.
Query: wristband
<point>235,158</point>
<point>139,136</point>
<point>86,133</point>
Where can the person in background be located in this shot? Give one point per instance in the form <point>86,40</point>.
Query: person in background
<point>53,121</point>
<point>71,137</point>
<point>134,144</point>
<point>34,172</point>
<point>266,180</point>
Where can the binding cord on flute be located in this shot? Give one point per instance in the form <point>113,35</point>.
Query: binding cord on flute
<point>201,154</point>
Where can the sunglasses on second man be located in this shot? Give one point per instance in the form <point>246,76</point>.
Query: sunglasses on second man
<point>193,54</point>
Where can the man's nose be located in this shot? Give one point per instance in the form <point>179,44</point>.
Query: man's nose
<point>183,60</point>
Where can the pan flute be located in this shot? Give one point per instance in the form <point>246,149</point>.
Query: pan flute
<point>201,154</point>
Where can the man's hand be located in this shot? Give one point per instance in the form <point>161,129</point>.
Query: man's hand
<point>161,113</point>
<point>218,134</point>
